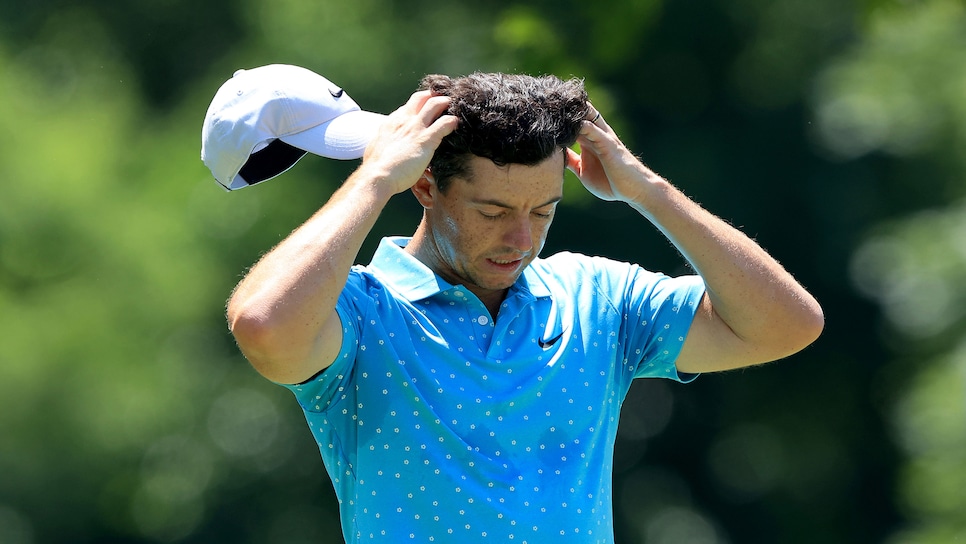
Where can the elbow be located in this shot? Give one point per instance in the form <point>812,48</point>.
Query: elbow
<point>243,323</point>
<point>253,332</point>
<point>806,328</point>
<point>248,329</point>
<point>813,323</point>
<point>787,334</point>
<point>269,343</point>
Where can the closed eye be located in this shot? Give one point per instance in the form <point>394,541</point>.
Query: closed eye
<point>495,210</point>
<point>545,212</point>
<point>491,215</point>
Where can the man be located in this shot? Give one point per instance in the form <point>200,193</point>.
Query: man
<point>462,388</point>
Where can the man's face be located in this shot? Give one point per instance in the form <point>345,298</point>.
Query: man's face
<point>484,231</point>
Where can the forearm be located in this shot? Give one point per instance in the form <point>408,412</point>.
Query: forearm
<point>283,313</point>
<point>754,311</point>
<point>769,313</point>
<point>295,286</point>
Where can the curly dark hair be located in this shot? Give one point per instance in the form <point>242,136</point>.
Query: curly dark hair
<point>507,118</point>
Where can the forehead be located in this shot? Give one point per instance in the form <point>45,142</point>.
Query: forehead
<point>484,177</point>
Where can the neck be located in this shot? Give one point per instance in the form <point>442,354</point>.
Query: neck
<point>423,248</point>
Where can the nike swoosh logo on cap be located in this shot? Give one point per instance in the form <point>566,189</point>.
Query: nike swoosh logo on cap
<point>336,93</point>
<point>546,344</point>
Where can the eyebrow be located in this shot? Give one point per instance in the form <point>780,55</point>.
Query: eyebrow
<point>501,204</point>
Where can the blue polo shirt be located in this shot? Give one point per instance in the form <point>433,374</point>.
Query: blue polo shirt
<point>438,424</point>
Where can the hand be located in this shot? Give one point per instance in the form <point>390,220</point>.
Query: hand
<point>605,166</point>
<point>402,148</point>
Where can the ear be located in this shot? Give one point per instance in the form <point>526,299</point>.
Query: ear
<point>425,189</point>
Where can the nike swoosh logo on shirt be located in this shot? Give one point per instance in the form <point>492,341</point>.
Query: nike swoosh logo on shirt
<point>546,344</point>
<point>336,93</point>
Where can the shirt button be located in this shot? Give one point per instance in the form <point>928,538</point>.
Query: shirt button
<point>483,320</point>
<point>458,293</point>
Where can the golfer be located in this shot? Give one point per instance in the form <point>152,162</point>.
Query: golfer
<point>463,387</point>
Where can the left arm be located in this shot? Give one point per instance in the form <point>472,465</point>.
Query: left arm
<point>754,311</point>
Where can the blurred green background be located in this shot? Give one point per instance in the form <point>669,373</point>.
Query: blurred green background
<point>832,131</point>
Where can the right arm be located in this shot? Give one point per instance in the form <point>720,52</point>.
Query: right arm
<point>282,313</point>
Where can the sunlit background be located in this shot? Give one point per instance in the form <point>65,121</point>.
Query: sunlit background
<point>832,131</point>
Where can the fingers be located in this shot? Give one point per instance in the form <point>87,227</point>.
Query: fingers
<point>572,159</point>
<point>593,114</point>
<point>427,107</point>
<point>420,120</point>
<point>596,120</point>
<point>405,143</point>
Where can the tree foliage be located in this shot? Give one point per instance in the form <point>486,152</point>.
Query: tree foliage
<point>830,131</point>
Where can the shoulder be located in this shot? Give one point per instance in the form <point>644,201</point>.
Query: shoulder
<point>616,280</point>
<point>570,264</point>
<point>362,288</point>
<point>360,281</point>
<point>590,269</point>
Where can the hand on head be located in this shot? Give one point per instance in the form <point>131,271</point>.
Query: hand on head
<point>404,145</point>
<point>604,165</point>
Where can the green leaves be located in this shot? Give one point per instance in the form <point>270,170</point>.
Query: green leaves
<point>822,128</point>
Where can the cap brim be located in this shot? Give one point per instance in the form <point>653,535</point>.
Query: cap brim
<point>342,138</point>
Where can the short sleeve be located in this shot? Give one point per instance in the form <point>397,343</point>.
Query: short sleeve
<point>328,387</point>
<point>660,310</point>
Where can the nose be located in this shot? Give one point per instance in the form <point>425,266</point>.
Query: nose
<point>519,235</point>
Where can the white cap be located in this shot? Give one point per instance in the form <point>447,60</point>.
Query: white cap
<point>263,120</point>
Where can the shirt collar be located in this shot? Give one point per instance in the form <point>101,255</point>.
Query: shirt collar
<point>412,279</point>
<point>404,273</point>
<point>532,282</point>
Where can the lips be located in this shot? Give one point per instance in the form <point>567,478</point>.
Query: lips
<point>508,259</point>
<point>505,264</point>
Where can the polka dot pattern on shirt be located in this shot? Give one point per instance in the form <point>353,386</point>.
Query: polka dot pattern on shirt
<point>440,423</point>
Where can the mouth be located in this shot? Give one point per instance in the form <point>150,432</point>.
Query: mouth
<point>505,264</point>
